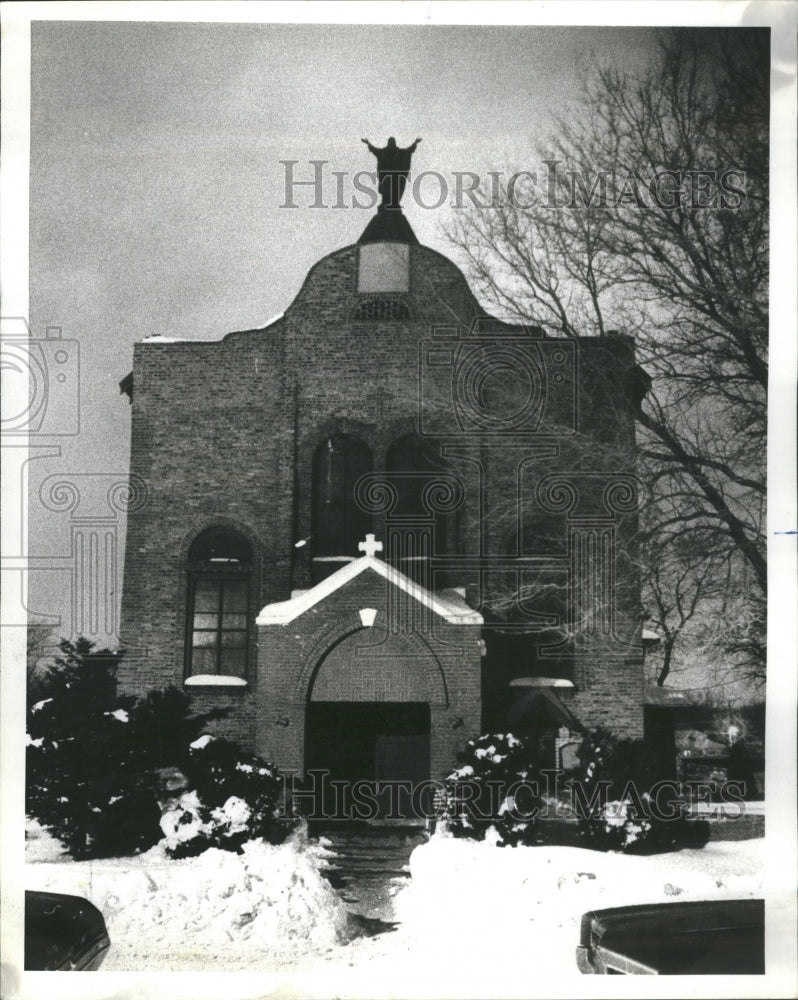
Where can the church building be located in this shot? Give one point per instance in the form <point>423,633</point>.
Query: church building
<point>386,522</point>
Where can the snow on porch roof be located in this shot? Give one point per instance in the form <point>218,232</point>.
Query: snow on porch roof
<point>448,604</point>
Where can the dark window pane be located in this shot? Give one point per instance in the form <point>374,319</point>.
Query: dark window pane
<point>416,460</point>
<point>207,594</point>
<point>338,523</point>
<point>203,661</point>
<point>219,618</point>
<point>235,595</point>
<point>220,544</point>
<point>544,534</point>
<point>415,463</point>
<point>236,639</point>
<point>234,662</point>
<point>234,621</point>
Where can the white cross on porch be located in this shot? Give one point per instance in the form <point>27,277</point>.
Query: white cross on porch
<point>370,547</point>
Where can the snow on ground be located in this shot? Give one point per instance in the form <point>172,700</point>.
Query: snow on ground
<point>40,844</point>
<point>529,900</point>
<point>475,919</point>
<point>485,921</point>
<point>227,910</point>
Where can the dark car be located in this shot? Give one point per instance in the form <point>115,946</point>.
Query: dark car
<point>718,937</point>
<point>63,933</point>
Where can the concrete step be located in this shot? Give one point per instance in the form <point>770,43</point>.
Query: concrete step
<point>363,881</point>
<point>367,868</point>
<point>376,864</point>
<point>368,864</point>
<point>363,862</point>
<point>371,850</point>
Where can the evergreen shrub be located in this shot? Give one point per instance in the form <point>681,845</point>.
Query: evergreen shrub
<point>92,754</point>
<point>233,797</point>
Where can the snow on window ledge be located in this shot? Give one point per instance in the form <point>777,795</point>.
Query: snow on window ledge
<point>215,680</point>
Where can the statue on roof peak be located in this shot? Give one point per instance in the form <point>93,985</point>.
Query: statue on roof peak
<point>393,166</point>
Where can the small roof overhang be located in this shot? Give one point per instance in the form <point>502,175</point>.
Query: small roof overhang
<point>541,682</point>
<point>447,604</point>
<point>558,709</point>
<point>673,697</point>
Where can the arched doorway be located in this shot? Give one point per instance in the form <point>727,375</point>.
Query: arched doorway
<point>368,723</point>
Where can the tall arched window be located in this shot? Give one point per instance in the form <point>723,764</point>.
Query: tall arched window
<point>412,464</point>
<point>219,585</point>
<point>416,461</point>
<point>338,523</point>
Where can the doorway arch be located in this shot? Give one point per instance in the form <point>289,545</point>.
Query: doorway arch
<point>368,716</point>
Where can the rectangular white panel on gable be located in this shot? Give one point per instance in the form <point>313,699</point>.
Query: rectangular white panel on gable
<point>384,267</point>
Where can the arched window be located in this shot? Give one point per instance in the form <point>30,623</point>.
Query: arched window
<point>338,524</point>
<point>416,461</point>
<point>219,586</point>
<point>412,464</point>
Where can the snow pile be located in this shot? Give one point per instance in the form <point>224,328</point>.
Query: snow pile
<point>223,909</point>
<point>41,845</point>
<point>528,900</point>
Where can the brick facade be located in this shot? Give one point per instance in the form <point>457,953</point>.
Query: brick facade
<point>407,653</point>
<point>224,435</point>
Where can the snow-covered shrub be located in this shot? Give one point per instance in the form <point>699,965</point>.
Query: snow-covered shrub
<point>616,802</point>
<point>492,789</point>
<point>634,827</point>
<point>77,746</point>
<point>616,826</point>
<point>233,797</point>
<point>91,753</point>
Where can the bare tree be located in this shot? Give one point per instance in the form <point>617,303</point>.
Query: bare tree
<point>650,215</point>
<point>39,644</point>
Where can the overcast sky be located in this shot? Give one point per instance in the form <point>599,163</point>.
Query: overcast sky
<point>156,181</point>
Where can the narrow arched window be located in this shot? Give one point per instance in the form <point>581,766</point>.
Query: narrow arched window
<point>414,462</point>
<point>418,532</point>
<point>219,588</point>
<point>338,524</point>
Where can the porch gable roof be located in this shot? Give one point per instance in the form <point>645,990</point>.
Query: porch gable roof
<point>447,604</point>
